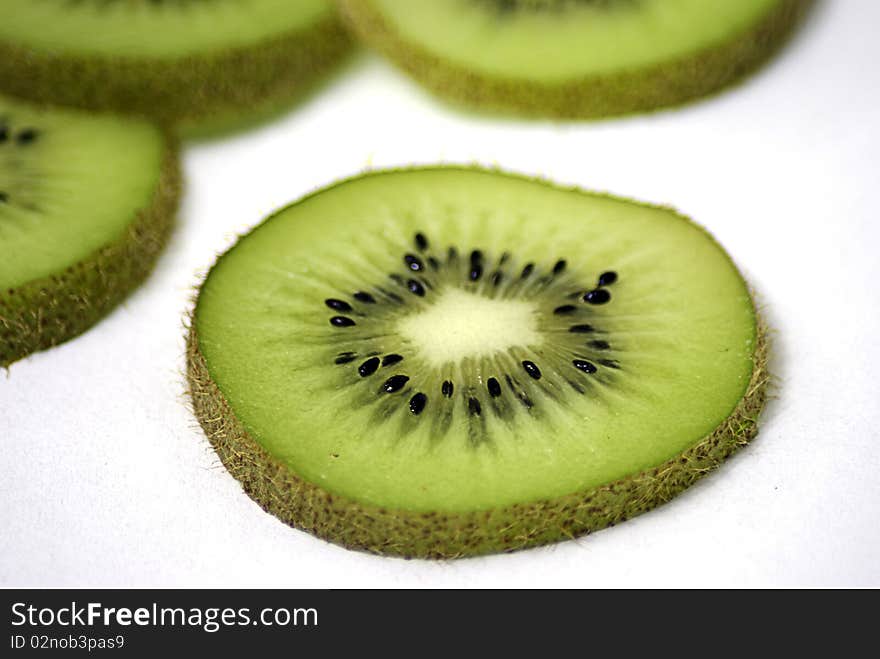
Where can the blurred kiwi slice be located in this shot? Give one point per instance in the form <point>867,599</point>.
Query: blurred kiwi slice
<point>203,65</point>
<point>574,58</point>
<point>450,361</point>
<point>86,205</point>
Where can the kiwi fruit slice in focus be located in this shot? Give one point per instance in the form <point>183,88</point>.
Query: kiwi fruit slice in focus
<point>574,58</point>
<point>86,204</point>
<point>449,361</point>
<point>203,65</point>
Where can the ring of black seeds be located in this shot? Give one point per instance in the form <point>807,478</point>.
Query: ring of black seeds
<point>445,270</point>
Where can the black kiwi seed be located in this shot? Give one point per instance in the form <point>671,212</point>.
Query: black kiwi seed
<point>597,296</point>
<point>607,278</point>
<point>338,305</point>
<point>497,276</point>
<point>474,406</point>
<point>532,369</point>
<point>476,271</point>
<point>388,360</point>
<point>4,134</point>
<point>368,367</point>
<point>395,383</point>
<point>345,358</point>
<point>564,309</point>
<point>527,271</point>
<point>364,297</point>
<point>494,387</point>
<point>452,255</point>
<point>584,365</point>
<point>341,321</point>
<point>559,267</point>
<point>447,388</point>
<point>3,197</point>
<point>434,263</point>
<point>610,363</point>
<point>417,403</point>
<point>415,288</point>
<point>581,329</point>
<point>599,345</point>
<point>476,257</point>
<point>421,242</point>
<point>414,263</point>
<point>27,136</point>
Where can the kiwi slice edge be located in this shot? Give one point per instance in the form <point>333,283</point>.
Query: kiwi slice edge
<point>199,94</point>
<point>50,309</point>
<point>433,534</point>
<point>304,505</point>
<point>641,89</point>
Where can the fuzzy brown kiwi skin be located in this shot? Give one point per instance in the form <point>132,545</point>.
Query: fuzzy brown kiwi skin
<point>590,97</point>
<point>437,535</point>
<point>182,92</point>
<point>45,312</point>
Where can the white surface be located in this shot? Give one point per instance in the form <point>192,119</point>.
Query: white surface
<point>107,480</point>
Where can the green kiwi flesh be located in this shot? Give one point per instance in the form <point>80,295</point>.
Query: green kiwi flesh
<point>574,58</point>
<point>86,205</point>
<point>450,361</point>
<point>201,66</point>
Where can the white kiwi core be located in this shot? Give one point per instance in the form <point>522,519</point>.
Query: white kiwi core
<point>461,324</point>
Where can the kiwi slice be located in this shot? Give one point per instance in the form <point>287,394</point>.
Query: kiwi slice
<point>200,64</point>
<point>86,204</point>
<point>574,58</point>
<point>450,361</point>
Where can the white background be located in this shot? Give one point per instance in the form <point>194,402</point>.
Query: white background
<point>106,479</point>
